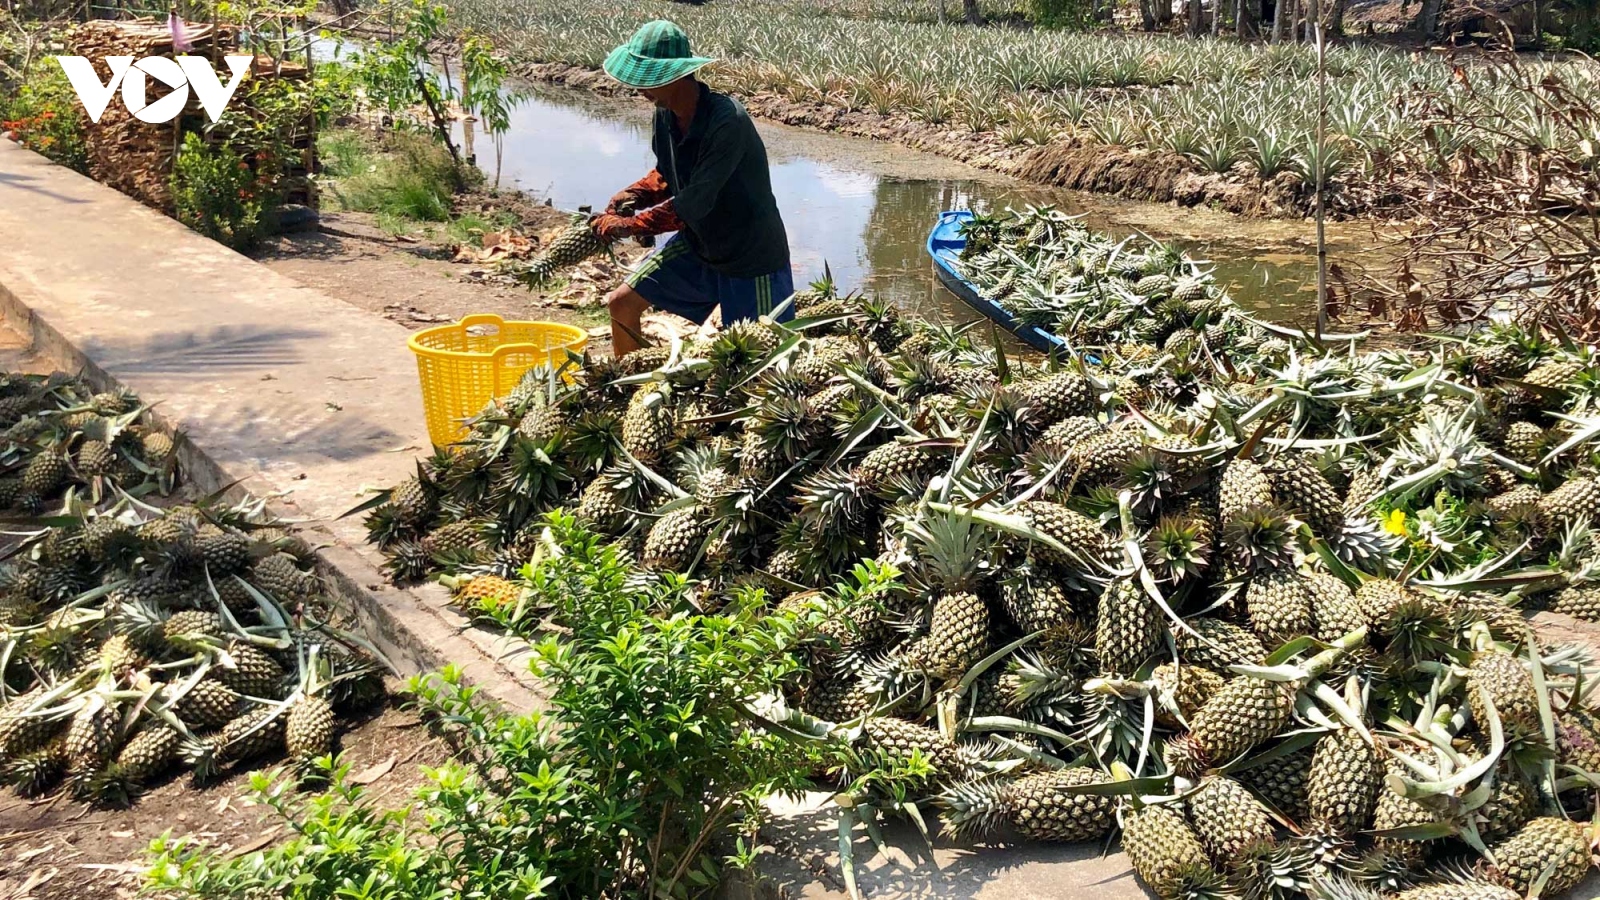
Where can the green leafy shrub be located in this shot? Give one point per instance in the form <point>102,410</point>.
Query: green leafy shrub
<point>1076,15</point>
<point>45,115</point>
<point>215,193</point>
<point>643,772</point>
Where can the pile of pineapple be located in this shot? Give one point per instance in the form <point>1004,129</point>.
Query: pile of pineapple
<point>135,639</point>
<point>1049,270</point>
<point>1257,603</point>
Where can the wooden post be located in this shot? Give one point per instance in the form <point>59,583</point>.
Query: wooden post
<point>1322,167</point>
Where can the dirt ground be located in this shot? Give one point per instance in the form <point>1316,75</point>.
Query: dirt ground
<point>53,847</point>
<point>417,281</point>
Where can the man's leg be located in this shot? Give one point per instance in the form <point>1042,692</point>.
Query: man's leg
<point>626,308</point>
<point>670,279</point>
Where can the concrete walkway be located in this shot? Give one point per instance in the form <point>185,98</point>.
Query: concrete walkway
<point>289,392</point>
<point>293,392</point>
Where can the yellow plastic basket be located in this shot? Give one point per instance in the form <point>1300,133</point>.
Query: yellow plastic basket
<point>465,365</point>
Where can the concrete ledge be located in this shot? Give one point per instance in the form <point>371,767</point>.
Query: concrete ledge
<point>283,391</point>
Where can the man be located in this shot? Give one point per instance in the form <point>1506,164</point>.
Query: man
<point>711,185</point>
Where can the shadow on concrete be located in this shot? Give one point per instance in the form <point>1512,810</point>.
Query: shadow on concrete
<point>197,353</point>
<point>16,182</point>
<point>951,871</point>
<point>297,432</point>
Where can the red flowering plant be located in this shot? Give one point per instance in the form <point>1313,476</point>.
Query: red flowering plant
<point>43,114</point>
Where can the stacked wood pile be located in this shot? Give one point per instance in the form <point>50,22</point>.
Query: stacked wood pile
<point>136,157</point>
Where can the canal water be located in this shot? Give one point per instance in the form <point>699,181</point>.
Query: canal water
<point>864,207</point>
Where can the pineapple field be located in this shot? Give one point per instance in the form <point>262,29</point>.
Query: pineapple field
<point>1254,601</point>
<point>1129,115</point>
<point>141,634</point>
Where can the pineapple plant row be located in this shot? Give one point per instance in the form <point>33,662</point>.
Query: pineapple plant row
<point>1256,602</point>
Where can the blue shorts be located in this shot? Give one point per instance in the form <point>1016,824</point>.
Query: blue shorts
<point>674,279</point>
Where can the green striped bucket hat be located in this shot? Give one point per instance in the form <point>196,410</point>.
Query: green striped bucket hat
<point>657,54</point>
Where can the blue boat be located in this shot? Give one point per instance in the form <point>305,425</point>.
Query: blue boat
<point>944,245</point>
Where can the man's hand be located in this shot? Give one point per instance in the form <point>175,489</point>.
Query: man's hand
<point>625,202</point>
<point>609,227</point>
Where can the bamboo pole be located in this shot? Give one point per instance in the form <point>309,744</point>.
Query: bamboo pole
<point>1322,168</point>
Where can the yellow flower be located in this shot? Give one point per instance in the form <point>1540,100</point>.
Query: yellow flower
<point>1395,522</point>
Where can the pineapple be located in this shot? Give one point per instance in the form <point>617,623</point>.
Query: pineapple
<point>676,539</point>
<point>1283,783</point>
<point>280,576</point>
<point>1243,486</point>
<point>36,771</point>
<point>1227,818</point>
<point>1554,374</point>
<point>157,448</point>
<point>45,472</point>
<point>1502,678</point>
<point>957,637</point>
<point>223,552</point>
<point>1519,506</point>
<point>896,739</point>
<point>1578,739</point>
<point>1524,442</point>
<point>95,459</point>
<point>572,245</point>
<point>1381,599</point>
<point>253,673</point>
<point>309,728</point>
<point>1575,502</point>
<point>1512,802</point>
<point>1057,397</point>
<point>600,506</point>
<point>1279,606</point>
<point>891,462</point>
<point>23,727</point>
<point>414,502</point>
<point>1548,844</point>
<point>456,541</point>
<point>648,426</point>
<point>1183,690</point>
<point>148,753</point>
<point>1305,492</point>
<point>91,735</point>
<point>1243,714</point>
<point>1393,810</point>
<point>837,699</point>
<point>1070,431</point>
<point>1034,603</point>
<point>1220,644</point>
<point>543,423</point>
<point>488,593</point>
<point>1166,853</point>
<point>1346,774</point>
<point>1129,629</point>
<point>1087,544</point>
<point>1365,486</point>
<point>1039,807</point>
<point>209,704</point>
<point>258,732</point>
<point>1334,611</point>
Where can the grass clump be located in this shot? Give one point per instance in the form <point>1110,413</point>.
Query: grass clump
<point>408,176</point>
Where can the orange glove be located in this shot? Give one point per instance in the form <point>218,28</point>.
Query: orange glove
<point>647,191</point>
<point>658,219</point>
<point>609,227</point>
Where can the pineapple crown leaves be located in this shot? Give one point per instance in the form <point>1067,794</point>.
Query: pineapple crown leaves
<point>952,549</point>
